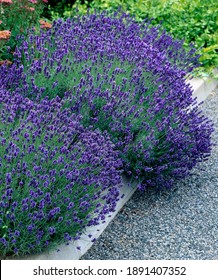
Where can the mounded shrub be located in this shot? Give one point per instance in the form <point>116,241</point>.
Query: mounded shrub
<point>56,177</point>
<point>123,77</point>
<point>83,101</point>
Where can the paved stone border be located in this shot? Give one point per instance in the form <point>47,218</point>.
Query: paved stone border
<point>202,88</point>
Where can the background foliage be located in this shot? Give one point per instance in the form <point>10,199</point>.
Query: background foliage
<point>17,17</point>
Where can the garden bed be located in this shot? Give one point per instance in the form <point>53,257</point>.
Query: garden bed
<point>77,114</point>
<point>201,89</point>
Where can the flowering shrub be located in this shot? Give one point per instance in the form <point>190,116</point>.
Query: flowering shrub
<point>56,177</point>
<point>194,22</point>
<point>17,16</point>
<point>89,37</point>
<point>123,77</point>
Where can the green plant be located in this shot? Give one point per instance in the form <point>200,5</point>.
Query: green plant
<point>17,17</point>
<point>124,77</point>
<point>56,8</point>
<point>195,22</point>
<point>56,177</point>
<point>84,101</point>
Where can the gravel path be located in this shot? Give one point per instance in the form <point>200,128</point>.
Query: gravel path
<point>180,224</point>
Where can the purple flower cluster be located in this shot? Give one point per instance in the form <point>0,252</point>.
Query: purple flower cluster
<point>93,36</point>
<point>123,77</point>
<point>74,90</point>
<point>161,133</point>
<point>56,176</point>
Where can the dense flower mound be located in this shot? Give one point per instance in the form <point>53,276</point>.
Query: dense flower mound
<point>103,35</point>
<point>123,77</point>
<point>160,137</point>
<point>56,177</point>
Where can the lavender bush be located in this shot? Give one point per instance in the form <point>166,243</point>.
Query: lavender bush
<point>82,102</point>
<point>123,77</point>
<point>56,177</point>
<point>93,36</point>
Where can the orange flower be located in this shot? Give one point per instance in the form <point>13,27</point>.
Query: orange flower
<point>7,62</point>
<point>41,21</point>
<point>45,24</point>
<point>5,34</point>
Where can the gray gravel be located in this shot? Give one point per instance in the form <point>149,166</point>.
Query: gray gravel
<point>178,224</point>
